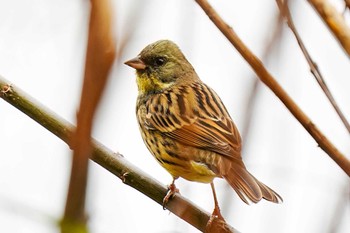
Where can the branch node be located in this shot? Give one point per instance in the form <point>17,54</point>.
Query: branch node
<point>6,89</point>
<point>124,176</point>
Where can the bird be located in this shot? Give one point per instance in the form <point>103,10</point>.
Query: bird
<point>186,126</point>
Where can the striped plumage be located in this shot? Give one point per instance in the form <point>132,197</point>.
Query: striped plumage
<point>186,126</point>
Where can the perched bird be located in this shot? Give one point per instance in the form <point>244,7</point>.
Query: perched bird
<point>186,127</point>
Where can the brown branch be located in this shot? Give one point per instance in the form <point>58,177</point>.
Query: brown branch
<point>335,22</point>
<point>269,81</point>
<point>347,4</point>
<point>111,161</point>
<point>283,6</point>
<point>99,59</point>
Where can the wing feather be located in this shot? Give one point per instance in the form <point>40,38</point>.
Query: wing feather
<point>195,118</point>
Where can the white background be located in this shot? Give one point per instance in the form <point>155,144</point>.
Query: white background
<point>42,49</point>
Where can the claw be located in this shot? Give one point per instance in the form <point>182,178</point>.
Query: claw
<point>216,214</point>
<point>172,190</point>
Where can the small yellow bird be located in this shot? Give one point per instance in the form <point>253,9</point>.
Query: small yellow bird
<point>186,127</point>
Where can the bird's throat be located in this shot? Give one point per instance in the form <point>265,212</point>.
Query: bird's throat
<point>148,84</point>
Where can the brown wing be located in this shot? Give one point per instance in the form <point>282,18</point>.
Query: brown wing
<point>195,116</point>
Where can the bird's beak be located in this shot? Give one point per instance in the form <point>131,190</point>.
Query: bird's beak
<point>136,63</point>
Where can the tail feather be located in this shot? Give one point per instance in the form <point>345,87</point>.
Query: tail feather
<point>269,194</point>
<point>248,187</point>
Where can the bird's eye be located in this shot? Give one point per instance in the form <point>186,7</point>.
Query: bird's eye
<point>159,61</point>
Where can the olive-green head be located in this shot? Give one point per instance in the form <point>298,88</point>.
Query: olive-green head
<point>159,66</point>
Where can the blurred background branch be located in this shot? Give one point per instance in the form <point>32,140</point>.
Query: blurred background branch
<point>273,40</point>
<point>347,4</point>
<point>111,161</point>
<point>284,9</point>
<point>99,59</point>
<point>335,22</point>
<point>269,81</point>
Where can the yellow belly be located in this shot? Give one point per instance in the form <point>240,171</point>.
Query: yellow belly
<point>192,171</point>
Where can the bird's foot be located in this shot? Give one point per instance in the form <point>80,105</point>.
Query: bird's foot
<point>218,224</point>
<point>216,213</point>
<point>172,190</point>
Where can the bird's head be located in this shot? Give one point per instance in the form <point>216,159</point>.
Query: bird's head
<point>159,66</point>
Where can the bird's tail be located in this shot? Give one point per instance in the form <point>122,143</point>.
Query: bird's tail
<point>248,187</point>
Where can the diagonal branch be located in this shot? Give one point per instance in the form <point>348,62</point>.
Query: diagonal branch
<point>283,6</point>
<point>335,22</point>
<point>111,161</point>
<point>269,81</point>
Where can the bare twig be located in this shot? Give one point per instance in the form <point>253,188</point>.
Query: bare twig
<point>335,22</point>
<point>99,59</point>
<point>113,162</point>
<point>283,6</point>
<point>269,81</point>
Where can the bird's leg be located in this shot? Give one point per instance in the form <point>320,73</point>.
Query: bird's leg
<point>216,213</point>
<point>171,192</point>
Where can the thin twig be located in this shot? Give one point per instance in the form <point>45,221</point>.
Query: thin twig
<point>269,81</point>
<point>283,6</point>
<point>99,59</point>
<point>335,22</point>
<point>111,161</point>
